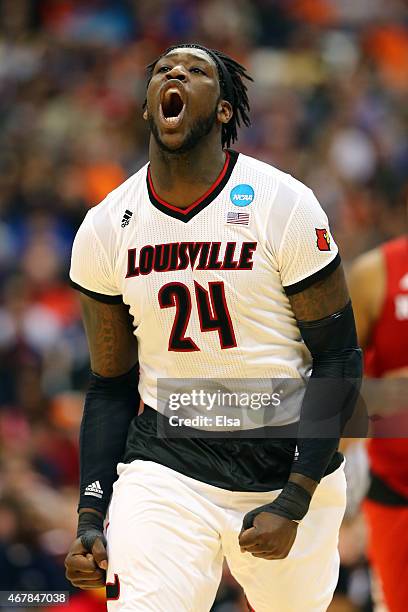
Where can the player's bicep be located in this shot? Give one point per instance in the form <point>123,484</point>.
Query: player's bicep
<point>109,330</point>
<point>321,299</point>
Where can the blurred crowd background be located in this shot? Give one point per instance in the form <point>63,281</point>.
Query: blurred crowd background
<point>329,105</point>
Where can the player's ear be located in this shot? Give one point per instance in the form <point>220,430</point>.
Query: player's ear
<point>224,111</point>
<point>145,114</point>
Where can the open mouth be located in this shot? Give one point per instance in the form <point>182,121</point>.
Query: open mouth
<point>172,107</point>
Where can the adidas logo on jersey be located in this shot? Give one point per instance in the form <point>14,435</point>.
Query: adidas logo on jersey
<point>94,489</point>
<point>126,218</point>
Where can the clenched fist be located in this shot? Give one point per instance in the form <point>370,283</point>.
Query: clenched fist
<point>271,536</point>
<point>86,565</point>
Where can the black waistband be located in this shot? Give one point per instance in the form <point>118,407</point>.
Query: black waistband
<point>379,491</point>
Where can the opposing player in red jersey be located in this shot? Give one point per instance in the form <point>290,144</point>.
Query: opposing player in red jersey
<point>379,288</point>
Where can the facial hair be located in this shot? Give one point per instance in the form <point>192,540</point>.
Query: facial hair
<point>201,128</point>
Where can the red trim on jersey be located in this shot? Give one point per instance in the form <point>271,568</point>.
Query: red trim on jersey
<point>185,215</point>
<point>113,589</point>
<point>185,211</point>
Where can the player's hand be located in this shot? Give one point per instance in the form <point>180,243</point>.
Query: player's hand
<point>86,566</point>
<point>271,536</point>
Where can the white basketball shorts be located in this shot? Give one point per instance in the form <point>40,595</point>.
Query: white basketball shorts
<point>168,535</point>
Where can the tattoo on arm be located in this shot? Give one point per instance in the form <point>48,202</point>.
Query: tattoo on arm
<point>321,299</point>
<point>109,329</point>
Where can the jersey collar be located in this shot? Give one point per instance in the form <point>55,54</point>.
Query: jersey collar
<point>185,214</point>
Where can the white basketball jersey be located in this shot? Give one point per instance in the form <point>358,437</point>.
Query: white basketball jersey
<point>207,286</point>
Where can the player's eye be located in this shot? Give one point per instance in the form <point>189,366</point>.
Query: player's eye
<point>196,70</point>
<point>164,69</point>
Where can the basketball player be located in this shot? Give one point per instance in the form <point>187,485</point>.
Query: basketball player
<point>228,270</point>
<point>379,287</point>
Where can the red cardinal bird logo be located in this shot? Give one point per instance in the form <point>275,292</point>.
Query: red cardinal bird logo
<point>323,239</point>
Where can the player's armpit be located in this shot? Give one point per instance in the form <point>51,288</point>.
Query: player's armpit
<point>321,299</point>
<point>109,329</point>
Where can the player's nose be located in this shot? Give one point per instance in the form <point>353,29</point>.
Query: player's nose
<point>177,72</point>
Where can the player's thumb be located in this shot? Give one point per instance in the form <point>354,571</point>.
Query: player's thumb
<point>247,536</point>
<point>99,554</point>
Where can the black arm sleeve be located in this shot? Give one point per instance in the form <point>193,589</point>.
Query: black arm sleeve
<point>328,404</point>
<point>329,401</point>
<point>332,390</point>
<point>110,405</point>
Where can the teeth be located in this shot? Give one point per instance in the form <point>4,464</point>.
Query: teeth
<point>172,90</point>
<point>172,106</point>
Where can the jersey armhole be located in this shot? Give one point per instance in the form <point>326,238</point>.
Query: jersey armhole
<point>99,297</point>
<point>320,275</point>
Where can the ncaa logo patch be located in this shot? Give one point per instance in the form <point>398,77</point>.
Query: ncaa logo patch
<point>242,195</point>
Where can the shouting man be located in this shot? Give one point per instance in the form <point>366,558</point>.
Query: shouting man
<point>228,270</point>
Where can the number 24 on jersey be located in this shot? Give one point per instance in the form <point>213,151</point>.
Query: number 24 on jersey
<point>212,311</point>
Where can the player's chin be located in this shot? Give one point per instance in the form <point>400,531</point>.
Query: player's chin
<point>173,141</point>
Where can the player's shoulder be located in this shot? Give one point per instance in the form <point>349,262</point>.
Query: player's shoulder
<point>368,264</point>
<point>366,277</point>
<point>114,208</point>
<point>271,178</point>
<point>367,283</point>
<point>282,190</point>
<point>270,173</point>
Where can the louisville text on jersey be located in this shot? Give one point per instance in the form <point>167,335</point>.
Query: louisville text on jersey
<point>198,255</point>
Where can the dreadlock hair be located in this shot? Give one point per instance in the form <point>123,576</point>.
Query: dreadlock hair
<point>232,86</point>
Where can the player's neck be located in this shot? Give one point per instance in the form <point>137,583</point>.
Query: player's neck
<point>182,179</point>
